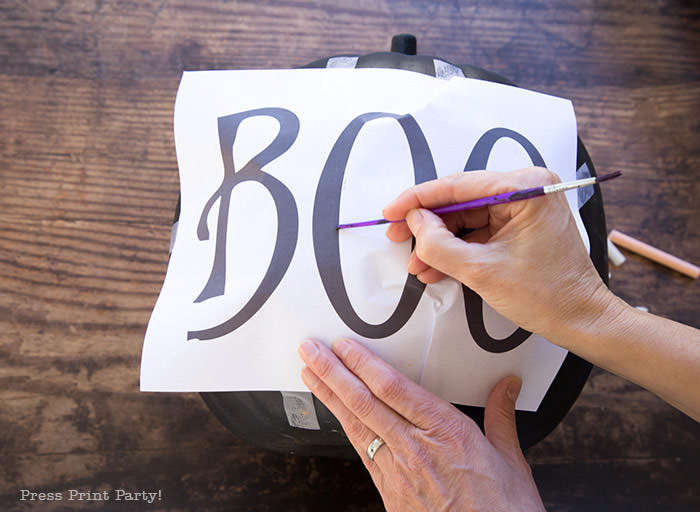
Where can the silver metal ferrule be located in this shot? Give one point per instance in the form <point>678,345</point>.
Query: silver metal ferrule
<point>561,187</point>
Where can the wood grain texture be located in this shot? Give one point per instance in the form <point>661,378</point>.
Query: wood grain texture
<point>88,184</point>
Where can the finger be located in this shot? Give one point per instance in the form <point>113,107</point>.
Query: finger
<point>439,248</point>
<point>415,264</point>
<point>424,272</point>
<point>429,194</point>
<point>499,417</point>
<point>359,435</point>
<point>465,186</point>
<point>420,407</point>
<point>398,232</point>
<point>471,219</point>
<point>353,392</point>
<point>430,276</point>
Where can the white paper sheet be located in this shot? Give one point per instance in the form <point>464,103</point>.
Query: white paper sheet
<point>300,145</point>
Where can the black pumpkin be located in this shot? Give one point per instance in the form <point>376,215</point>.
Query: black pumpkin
<point>259,417</point>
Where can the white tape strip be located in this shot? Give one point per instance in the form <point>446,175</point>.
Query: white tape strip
<point>342,62</point>
<point>300,410</point>
<point>585,193</point>
<point>445,70</point>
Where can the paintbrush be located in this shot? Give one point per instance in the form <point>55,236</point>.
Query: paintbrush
<point>506,197</point>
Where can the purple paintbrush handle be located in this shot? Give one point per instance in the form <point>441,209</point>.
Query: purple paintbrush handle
<point>506,197</point>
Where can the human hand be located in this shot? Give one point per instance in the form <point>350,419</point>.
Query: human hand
<point>435,458</point>
<point>525,259</point>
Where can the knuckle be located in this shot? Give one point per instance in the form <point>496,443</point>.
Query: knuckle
<point>356,360</point>
<point>426,247</point>
<point>355,429</point>
<point>450,431</point>
<point>323,367</point>
<point>361,402</point>
<point>429,412</point>
<point>391,388</point>
<point>435,419</point>
<point>544,175</point>
<point>324,394</point>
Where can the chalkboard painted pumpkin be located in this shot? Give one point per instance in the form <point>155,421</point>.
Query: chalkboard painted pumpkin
<point>297,423</point>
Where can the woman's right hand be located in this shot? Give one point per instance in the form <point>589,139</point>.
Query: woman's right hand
<point>525,259</point>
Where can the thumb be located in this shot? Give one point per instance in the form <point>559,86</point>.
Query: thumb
<point>437,246</point>
<point>499,417</point>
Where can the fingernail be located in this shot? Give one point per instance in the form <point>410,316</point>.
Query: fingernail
<point>513,389</point>
<point>307,350</point>
<point>414,219</point>
<point>341,347</point>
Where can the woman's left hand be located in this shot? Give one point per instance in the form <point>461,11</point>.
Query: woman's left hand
<point>434,457</point>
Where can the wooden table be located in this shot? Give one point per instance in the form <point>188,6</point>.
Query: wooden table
<point>88,184</point>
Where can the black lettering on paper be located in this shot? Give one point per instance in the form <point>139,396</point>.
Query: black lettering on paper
<point>326,216</point>
<point>287,215</point>
<point>473,304</point>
